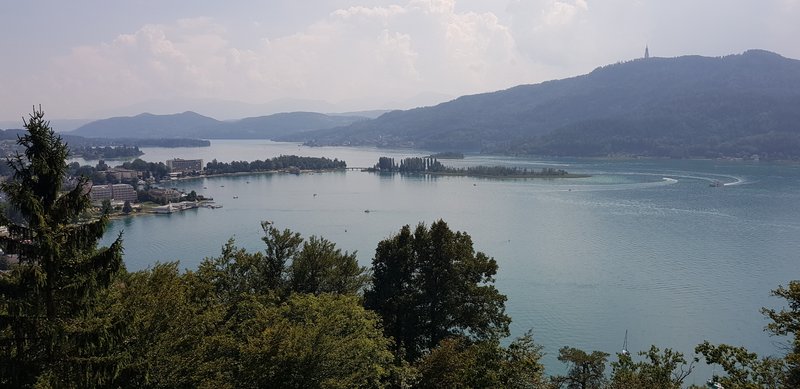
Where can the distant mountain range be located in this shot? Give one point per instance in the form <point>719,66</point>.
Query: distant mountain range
<point>689,106</point>
<point>232,109</point>
<point>692,106</point>
<point>193,125</point>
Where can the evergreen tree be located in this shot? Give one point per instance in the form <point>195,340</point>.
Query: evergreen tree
<point>49,333</point>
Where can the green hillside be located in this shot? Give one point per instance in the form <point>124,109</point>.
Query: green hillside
<point>690,106</point>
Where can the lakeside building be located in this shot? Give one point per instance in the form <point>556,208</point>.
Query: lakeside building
<point>119,192</point>
<point>179,165</point>
<point>167,195</point>
<point>123,174</point>
<point>176,207</point>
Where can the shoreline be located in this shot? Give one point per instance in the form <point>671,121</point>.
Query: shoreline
<point>507,177</point>
<point>149,209</point>
<point>453,174</point>
<point>254,173</point>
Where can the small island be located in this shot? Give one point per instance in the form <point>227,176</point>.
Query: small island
<point>447,155</point>
<point>106,152</point>
<point>283,163</point>
<point>428,165</point>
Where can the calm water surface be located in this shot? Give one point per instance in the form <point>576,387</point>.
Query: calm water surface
<point>643,246</point>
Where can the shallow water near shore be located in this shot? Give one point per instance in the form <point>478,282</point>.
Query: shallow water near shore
<point>646,246</point>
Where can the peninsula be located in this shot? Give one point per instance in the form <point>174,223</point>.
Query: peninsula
<point>429,165</point>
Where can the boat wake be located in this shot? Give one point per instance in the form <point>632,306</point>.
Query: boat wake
<point>715,178</point>
<point>739,181</point>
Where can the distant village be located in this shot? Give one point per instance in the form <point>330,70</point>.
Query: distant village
<point>134,186</point>
<point>125,188</point>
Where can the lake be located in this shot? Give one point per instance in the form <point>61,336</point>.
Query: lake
<point>646,246</point>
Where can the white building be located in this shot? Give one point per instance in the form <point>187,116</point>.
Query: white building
<point>119,192</point>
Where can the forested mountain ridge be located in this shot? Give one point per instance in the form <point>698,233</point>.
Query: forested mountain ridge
<point>147,125</point>
<point>690,106</point>
<point>193,125</point>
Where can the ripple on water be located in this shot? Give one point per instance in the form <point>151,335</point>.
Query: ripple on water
<point>646,246</point>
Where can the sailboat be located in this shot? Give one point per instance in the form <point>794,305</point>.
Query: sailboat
<point>625,345</point>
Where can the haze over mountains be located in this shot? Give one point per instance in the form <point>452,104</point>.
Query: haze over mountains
<point>688,106</point>
<point>691,106</point>
<point>193,125</point>
<point>231,110</point>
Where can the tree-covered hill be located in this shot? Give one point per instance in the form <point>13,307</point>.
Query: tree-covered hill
<point>277,125</point>
<point>688,106</point>
<point>193,125</point>
<point>147,125</point>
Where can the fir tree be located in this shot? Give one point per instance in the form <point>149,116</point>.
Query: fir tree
<point>50,335</point>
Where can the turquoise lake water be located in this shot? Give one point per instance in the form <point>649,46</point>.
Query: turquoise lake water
<point>645,246</point>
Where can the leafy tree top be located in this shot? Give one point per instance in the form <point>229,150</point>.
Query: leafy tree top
<point>430,285</point>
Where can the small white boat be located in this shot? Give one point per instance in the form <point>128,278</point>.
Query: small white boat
<point>625,345</point>
<point>714,384</point>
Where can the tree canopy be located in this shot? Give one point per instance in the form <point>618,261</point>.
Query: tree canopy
<point>299,314</point>
<point>432,285</point>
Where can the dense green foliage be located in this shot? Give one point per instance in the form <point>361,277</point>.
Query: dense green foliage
<point>99,175</point>
<point>107,152</point>
<point>50,333</point>
<point>157,170</point>
<point>299,314</point>
<point>431,285</point>
<point>665,370</point>
<point>586,371</point>
<point>786,322</point>
<point>274,164</point>
<point>447,155</point>
<point>690,106</point>
<point>431,165</point>
<point>409,165</point>
<point>457,363</point>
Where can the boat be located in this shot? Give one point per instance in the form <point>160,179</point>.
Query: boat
<point>716,184</point>
<point>714,384</point>
<point>236,197</point>
<point>625,345</point>
<point>366,211</point>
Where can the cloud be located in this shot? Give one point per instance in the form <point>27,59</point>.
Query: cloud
<point>370,55</point>
<point>388,52</point>
<point>561,13</point>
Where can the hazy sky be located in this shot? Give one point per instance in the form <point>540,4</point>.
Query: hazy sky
<point>81,58</point>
